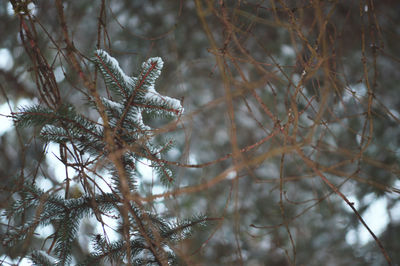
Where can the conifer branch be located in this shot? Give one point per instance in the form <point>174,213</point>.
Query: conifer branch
<point>146,237</point>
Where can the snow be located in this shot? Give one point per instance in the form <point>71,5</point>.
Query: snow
<point>113,105</point>
<point>137,117</point>
<point>115,65</point>
<point>139,121</point>
<point>159,64</point>
<point>155,72</point>
<point>153,95</point>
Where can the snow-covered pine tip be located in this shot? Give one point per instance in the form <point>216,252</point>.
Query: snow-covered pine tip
<point>107,63</point>
<point>172,105</point>
<point>151,70</point>
<point>155,62</point>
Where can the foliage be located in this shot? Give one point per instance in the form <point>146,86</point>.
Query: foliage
<point>119,142</point>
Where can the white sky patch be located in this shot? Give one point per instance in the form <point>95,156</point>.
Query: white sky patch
<point>358,90</point>
<point>351,237</point>
<point>149,176</point>
<point>174,153</point>
<point>296,79</point>
<point>8,261</point>
<point>6,123</point>
<point>287,50</point>
<point>59,74</point>
<point>133,21</point>
<point>367,199</point>
<point>359,138</point>
<point>231,175</point>
<point>376,217</point>
<point>110,227</point>
<point>10,10</point>
<point>44,231</point>
<point>352,200</point>
<point>192,159</point>
<point>395,212</point>
<point>205,98</point>
<point>394,113</point>
<point>31,7</point>
<point>104,181</point>
<point>157,189</point>
<point>397,184</point>
<point>100,121</point>
<point>6,59</point>
<point>44,183</point>
<point>56,165</point>
<point>221,137</point>
<point>145,169</point>
<point>26,102</point>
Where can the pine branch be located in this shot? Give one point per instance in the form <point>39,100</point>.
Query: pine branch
<point>146,236</point>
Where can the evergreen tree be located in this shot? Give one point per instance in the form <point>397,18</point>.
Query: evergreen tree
<point>114,145</point>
